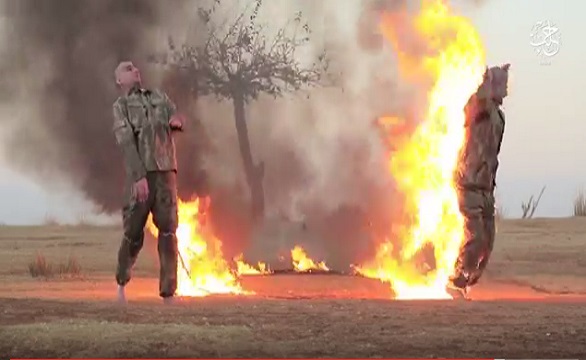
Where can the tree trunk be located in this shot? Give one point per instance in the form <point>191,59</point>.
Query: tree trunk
<point>254,172</point>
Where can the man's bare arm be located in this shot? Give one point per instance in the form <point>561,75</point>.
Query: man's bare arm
<point>126,140</point>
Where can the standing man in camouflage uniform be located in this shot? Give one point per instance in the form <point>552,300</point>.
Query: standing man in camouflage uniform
<point>476,176</point>
<point>144,122</point>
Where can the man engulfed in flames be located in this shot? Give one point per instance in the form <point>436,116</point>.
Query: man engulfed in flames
<point>476,175</point>
<point>445,167</point>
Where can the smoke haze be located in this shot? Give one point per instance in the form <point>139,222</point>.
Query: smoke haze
<point>325,165</point>
<point>60,56</point>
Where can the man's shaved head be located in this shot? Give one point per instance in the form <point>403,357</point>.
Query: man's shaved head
<point>120,68</point>
<point>127,75</point>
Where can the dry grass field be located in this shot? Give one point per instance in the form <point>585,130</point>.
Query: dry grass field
<point>531,304</point>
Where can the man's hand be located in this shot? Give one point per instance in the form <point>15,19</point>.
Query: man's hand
<point>176,122</point>
<point>140,190</point>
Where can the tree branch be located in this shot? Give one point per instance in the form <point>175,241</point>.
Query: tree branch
<point>243,60</point>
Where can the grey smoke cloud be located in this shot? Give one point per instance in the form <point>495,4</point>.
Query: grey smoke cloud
<point>58,57</point>
<point>325,163</point>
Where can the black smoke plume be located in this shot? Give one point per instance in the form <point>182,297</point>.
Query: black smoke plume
<point>57,64</point>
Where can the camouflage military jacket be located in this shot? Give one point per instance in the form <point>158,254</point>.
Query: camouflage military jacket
<point>485,126</point>
<point>142,130</point>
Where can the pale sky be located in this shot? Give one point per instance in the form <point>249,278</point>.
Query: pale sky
<point>545,113</point>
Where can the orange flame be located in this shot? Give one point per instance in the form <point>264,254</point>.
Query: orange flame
<point>302,262</point>
<point>202,269</point>
<point>423,164</point>
<point>246,269</point>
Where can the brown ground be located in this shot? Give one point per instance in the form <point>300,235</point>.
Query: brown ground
<point>531,304</point>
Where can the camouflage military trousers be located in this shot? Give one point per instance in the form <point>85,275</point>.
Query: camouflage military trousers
<point>162,203</point>
<point>478,209</point>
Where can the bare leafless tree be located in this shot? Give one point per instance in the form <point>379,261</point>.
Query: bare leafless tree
<point>238,62</point>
